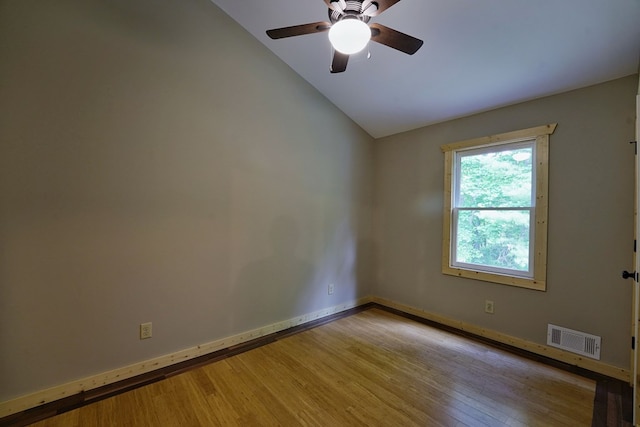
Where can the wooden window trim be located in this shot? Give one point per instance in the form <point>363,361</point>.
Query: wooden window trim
<point>541,136</point>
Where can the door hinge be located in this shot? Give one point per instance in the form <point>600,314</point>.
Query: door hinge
<point>634,245</point>
<point>636,145</point>
<point>633,343</point>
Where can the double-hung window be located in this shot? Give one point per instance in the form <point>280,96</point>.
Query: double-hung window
<point>495,213</point>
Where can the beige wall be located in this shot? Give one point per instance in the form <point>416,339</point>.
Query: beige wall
<point>157,163</point>
<point>590,220</point>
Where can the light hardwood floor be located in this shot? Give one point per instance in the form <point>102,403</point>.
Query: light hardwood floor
<point>372,368</point>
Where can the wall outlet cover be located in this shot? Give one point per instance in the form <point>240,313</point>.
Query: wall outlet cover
<point>145,330</point>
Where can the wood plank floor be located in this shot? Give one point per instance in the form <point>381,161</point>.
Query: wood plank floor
<point>373,368</point>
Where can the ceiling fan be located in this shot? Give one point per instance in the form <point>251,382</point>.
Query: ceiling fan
<point>350,32</point>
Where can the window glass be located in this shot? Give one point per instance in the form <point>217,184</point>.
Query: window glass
<point>492,231</point>
<point>496,178</point>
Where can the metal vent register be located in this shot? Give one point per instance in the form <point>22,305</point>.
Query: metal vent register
<point>574,341</point>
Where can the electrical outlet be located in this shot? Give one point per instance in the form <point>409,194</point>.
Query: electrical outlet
<point>331,288</point>
<point>488,306</point>
<point>145,330</point>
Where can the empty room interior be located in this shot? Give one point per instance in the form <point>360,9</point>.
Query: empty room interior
<point>182,196</point>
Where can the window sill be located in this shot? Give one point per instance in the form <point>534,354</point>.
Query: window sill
<point>521,282</point>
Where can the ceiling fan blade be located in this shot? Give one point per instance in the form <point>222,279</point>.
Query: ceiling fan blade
<point>339,63</point>
<point>299,30</point>
<point>382,6</point>
<point>395,39</point>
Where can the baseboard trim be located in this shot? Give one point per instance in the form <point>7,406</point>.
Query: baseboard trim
<point>171,363</point>
<point>93,382</point>
<point>540,349</point>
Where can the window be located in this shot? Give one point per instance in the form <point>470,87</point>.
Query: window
<point>495,208</point>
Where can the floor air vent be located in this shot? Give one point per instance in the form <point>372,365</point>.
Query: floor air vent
<point>574,341</point>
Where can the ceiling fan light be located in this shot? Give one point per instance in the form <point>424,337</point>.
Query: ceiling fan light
<point>349,36</point>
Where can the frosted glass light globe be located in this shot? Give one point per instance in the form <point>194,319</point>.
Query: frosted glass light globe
<point>349,36</point>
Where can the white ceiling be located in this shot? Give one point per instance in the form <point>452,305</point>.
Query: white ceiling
<point>477,55</point>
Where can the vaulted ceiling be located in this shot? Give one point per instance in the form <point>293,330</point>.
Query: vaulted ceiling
<point>477,54</point>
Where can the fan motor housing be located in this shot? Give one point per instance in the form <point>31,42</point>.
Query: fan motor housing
<point>354,8</point>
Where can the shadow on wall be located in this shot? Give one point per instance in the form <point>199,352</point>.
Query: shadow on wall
<point>267,290</point>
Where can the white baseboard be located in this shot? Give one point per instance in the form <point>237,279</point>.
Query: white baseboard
<point>89,383</point>
<point>541,349</point>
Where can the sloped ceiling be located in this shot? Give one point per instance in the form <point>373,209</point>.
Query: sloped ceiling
<point>477,55</point>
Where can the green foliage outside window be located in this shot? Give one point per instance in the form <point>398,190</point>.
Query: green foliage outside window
<point>486,235</point>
